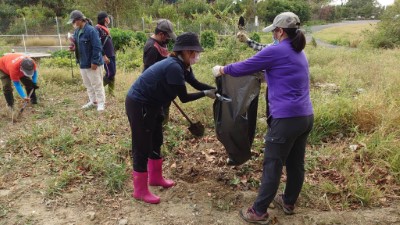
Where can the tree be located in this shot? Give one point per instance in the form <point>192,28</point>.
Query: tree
<point>363,8</point>
<point>387,34</point>
<point>270,9</point>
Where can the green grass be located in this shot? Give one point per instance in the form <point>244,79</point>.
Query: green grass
<point>72,148</point>
<point>347,35</point>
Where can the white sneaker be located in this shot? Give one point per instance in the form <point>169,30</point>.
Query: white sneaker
<point>88,105</point>
<point>101,107</point>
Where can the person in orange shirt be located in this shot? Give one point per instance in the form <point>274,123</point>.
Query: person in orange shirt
<point>18,68</point>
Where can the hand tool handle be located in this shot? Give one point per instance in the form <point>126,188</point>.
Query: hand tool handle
<point>183,113</point>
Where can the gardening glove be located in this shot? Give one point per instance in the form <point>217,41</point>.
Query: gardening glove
<point>218,71</point>
<point>27,99</point>
<point>210,93</point>
<point>242,36</point>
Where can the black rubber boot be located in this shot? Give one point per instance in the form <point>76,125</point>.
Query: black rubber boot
<point>9,99</point>
<point>111,86</point>
<point>33,97</point>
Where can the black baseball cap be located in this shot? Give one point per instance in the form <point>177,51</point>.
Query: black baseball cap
<point>75,15</point>
<point>166,26</point>
<point>27,67</point>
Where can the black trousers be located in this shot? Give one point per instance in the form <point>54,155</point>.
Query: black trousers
<point>146,129</point>
<point>8,91</point>
<point>285,145</point>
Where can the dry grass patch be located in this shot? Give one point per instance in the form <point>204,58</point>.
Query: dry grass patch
<point>347,35</point>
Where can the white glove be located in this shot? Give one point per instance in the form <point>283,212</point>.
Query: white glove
<point>242,36</point>
<point>217,71</point>
<point>210,93</point>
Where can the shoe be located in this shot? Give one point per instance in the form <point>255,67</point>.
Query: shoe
<point>231,162</point>
<point>154,167</point>
<point>249,215</point>
<point>141,188</point>
<point>89,105</point>
<point>287,209</point>
<point>101,107</point>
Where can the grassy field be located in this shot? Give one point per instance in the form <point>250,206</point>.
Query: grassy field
<point>351,35</point>
<point>353,157</point>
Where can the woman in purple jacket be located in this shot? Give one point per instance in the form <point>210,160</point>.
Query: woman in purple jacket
<point>290,114</point>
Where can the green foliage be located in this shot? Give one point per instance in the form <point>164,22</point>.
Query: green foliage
<point>115,176</point>
<point>7,13</point>
<point>270,9</point>
<point>255,37</point>
<point>61,53</point>
<point>121,38</point>
<point>228,52</point>
<point>193,7</point>
<point>208,38</point>
<point>140,37</point>
<point>168,11</point>
<point>37,19</point>
<point>314,42</point>
<point>333,117</point>
<point>57,62</point>
<point>387,34</point>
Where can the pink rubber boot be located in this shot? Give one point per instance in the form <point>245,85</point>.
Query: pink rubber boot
<point>154,166</point>
<point>141,188</point>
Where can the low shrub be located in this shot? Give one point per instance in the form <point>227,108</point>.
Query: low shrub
<point>208,38</point>
<point>255,37</point>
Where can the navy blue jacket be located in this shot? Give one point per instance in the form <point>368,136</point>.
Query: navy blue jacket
<point>89,48</point>
<point>163,81</point>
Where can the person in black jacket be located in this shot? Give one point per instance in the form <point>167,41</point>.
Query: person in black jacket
<point>108,51</point>
<point>156,50</point>
<point>161,83</point>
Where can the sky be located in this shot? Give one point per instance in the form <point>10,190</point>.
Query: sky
<point>382,2</point>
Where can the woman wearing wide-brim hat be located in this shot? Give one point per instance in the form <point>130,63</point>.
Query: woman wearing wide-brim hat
<point>160,83</point>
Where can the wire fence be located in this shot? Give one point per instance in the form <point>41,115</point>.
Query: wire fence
<point>52,35</point>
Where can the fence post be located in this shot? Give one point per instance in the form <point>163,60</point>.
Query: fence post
<point>200,31</point>
<point>26,29</point>
<point>23,40</point>
<point>58,32</point>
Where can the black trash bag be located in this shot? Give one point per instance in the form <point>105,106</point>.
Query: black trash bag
<point>236,120</point>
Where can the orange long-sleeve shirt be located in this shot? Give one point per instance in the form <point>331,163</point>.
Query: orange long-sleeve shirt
<point>10,64</point>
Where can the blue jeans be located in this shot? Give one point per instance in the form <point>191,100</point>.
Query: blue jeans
<point>285,145</point>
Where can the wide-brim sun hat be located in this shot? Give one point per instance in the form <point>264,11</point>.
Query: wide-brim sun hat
<point>187,41</point>
<point>284,20</point>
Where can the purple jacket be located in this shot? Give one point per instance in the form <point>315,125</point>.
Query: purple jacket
<point>287,76</point>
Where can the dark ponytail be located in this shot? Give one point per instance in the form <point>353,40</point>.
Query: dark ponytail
<point>298,40</point>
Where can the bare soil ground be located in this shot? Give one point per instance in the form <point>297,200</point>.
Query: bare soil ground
<point>203,195</point>
<point>198,202</point>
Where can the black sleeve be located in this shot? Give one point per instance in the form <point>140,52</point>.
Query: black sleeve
<point>102,40</point>
<point>186,97</point>
<point>150,56</point>
<point>197,84</point>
